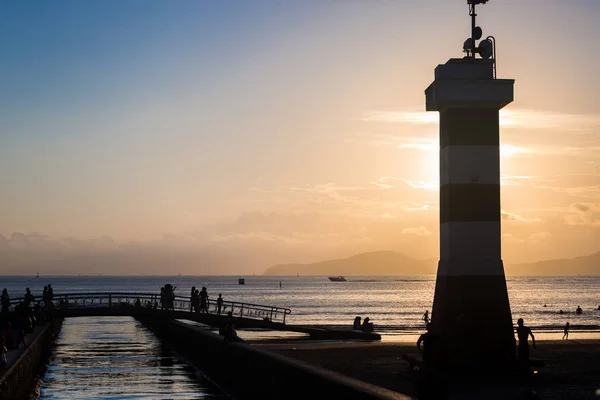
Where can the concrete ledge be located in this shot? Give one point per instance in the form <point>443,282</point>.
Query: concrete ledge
<point>247,372</point>
<point>17,381</point>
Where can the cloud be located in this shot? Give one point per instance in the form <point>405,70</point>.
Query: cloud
<point>420,231</point>
<point>509,118</point>
<point>587,214</point>
<point>384,182</point>
<point>534,238</point>
<point>539,237</point>
<point>428,185</point>
<point>507,216</point>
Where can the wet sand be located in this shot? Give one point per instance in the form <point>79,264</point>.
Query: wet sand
<point>571,370</point>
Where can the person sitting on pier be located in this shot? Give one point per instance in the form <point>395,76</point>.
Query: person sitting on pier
<point>219,304</point>
<point>229,332</point>
<point>367,326</point>
<point>356,326</point>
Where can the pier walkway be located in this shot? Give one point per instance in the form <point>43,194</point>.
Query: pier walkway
<point>142,305</point>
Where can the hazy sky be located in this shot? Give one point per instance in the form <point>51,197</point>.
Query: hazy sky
<point>281,131</point>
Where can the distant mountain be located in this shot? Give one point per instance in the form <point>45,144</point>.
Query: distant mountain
<point>393,263</point>
<point>584,265</point>
<point>372,263</point>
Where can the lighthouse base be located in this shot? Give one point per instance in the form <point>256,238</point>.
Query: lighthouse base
<point>471,317</point>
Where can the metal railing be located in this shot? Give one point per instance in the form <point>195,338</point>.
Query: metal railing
<point>153,301</point>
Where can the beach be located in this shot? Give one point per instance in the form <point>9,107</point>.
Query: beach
<point>571,370</point>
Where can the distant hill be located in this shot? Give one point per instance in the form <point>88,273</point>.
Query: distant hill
<point>394,263</point>
<point>372,263</point>
<point>584,265</point>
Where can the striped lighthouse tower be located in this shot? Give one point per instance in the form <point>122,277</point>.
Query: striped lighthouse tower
<point>471,313</point>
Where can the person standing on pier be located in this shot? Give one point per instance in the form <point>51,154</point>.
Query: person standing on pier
<point>219,304</point>
<point>5,301</point>
<point>523,333</point>
<point>426,317</point>
<point>203,300</point>
<point>192,296</point>
<point>28,298</point>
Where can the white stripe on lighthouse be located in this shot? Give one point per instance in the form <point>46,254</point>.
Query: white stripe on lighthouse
<point>470,164</point>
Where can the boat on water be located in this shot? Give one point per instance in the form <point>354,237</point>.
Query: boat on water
<point>241,281</point>
<point>337,279</point>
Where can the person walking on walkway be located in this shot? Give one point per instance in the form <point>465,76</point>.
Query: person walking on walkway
<point>566,334</point>
<point>426,317</point>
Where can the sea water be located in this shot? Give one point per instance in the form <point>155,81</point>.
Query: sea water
<point>393,303</point>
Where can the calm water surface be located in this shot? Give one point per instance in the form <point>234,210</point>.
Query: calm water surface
<point>117,358</point>
<point>392,302</point>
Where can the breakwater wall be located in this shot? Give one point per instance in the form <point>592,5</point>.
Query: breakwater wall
<point>247,372</point>
<point>18,380</point>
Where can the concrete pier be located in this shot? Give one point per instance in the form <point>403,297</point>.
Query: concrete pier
<point>17,380</point>
<point>471,313</point>
<point>248,372</point>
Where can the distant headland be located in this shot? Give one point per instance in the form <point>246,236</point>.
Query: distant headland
<point>394,263</point>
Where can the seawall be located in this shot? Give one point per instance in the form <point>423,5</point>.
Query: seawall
<point>247,372</point>
<point>18,379</point>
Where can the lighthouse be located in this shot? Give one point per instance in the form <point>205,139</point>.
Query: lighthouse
<point>471,314</point>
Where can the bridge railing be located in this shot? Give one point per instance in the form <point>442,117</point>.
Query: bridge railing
<point>152,300</point>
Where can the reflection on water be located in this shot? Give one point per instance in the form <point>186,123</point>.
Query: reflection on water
<point>117,358</point>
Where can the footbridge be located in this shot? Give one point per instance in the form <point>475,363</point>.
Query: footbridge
<point>144,305</point>
<point>108,304</point>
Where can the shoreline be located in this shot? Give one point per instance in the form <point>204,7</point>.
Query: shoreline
<point>571,370</point>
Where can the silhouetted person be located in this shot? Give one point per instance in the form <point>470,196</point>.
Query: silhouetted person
<point>367,326</point>
<point>578,311</point>
<point>3,351</point>
<point>229,333</point>
<point>162,298</point>
<point>219,304</point>
<point>203,300</point>
<point>523,333</point>
<point>356,325</point>
<point>50,292</point>
<point>45,296</point>
<point>192,297</point>
<point>566,334</point>
<point>138,303</point>
<point>427,349</point>
<point>561,312</point>
<point>426,317</point>
<point>28,298</point>
<point>5,301</point>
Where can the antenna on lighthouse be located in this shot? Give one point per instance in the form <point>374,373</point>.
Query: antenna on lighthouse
<point>487,47</point>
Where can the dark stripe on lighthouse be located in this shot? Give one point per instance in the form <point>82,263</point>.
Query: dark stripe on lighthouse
<point>469,127</point>
<point>469,202</point>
